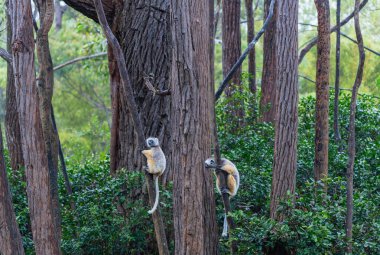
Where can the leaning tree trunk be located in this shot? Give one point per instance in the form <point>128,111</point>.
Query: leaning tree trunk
<point>193,194</point>
<point>231,52</point>
<point>10,238</point>
<point>39,190</point>
<point>322,102</point>
<point>12,126</point>
<point>351,134</point>
<point>268,87</point>
<point>285,147</point>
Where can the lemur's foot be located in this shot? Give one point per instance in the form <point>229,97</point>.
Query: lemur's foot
<point>225,190</point>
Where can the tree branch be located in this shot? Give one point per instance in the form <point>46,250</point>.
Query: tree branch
<point>238,63</point>
<point>87,8</point>
<point>313,42</point>
<point>6,55</point>
<point>70,62</point>
<point>129,98</point>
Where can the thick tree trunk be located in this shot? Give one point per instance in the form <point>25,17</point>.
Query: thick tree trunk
<point>351,134</point>
<point>285,147</point>
<point>193,194</point>
<point>38,176</point>
<point>268,87</point>
<point>10,238</point>
<point>337,75</point>
<point>322,82</point>
<point>144,55</point>
<point>231,52</point>
<point>12,126</point>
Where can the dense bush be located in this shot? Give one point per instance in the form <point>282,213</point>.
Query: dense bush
<point>111,213</point>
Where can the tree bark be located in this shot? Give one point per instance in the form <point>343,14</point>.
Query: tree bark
<point>322,86</point>
<point>45,84</point>
<point>351,134</point>
<point>337,76</point>
<point>285,147</point>
<point>268,87</point>
<point>38,176</point>
<point>12,126</point>
<point>193,194</point>
<point>231,51</point>
<point>10,238</point>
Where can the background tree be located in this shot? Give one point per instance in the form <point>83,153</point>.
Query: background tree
<point>231,52</point>
<point>12,126</point>
<point>252,54</point>
<point>268,80</point>
<point>285,146</point>
<point>193,194</point>
<point>39,190</point>
<point>337,75</point>
<point>351,134</point>
<point>322,92</point>
<point>10,238</point>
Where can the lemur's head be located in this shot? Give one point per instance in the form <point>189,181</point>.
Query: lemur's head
<point>152,142</point>
<point>210,163</point>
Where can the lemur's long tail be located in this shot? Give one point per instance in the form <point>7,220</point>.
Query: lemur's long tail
<point>155,177</point>
<point>225,226</point>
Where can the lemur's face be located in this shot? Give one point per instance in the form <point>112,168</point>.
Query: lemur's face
<point>210,163</point>
<point>152,142</point>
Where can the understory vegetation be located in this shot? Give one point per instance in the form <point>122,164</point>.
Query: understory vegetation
<point>110,215</point>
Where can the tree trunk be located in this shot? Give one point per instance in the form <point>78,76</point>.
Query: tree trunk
<point>285,147</point>
<point>231,51</point>
<point>12,126</point>
<point>10,238</point>
<point>337,76</point>
<point>268,87</point>
<point>45,84</point>
<point>38,176</point>
<point>322,83</point>
<point>193,193</point>
<point>252,54</point>
<point>351,134</point>
<point>134,25</point>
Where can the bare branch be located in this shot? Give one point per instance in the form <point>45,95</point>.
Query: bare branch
<point>313,42</point>
<point>70,62</point>
<point>251,45</point>
<point>6,55</point>
<point>155,91</point>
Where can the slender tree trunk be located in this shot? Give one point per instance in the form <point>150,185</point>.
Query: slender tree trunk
<point>39,190</point>
<point>12,126</point>
<point>351,135</point>
<point>231,52</point>
<point>268,87</point>
<point>193,195</point>
<point>337,76</point>
<point>45,84</point>
<point>252,54</point>
<point>322,83</point>
<point>59,10</point>
<point>285,147</point>
<point>10,238</point>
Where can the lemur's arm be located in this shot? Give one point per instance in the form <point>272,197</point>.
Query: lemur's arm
<point>148,154</point>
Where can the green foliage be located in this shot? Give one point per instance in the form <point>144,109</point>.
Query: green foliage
<point>315,224</point>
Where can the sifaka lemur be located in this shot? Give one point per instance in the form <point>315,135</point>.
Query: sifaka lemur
<point>233,181</point>
<point>156,164</point>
